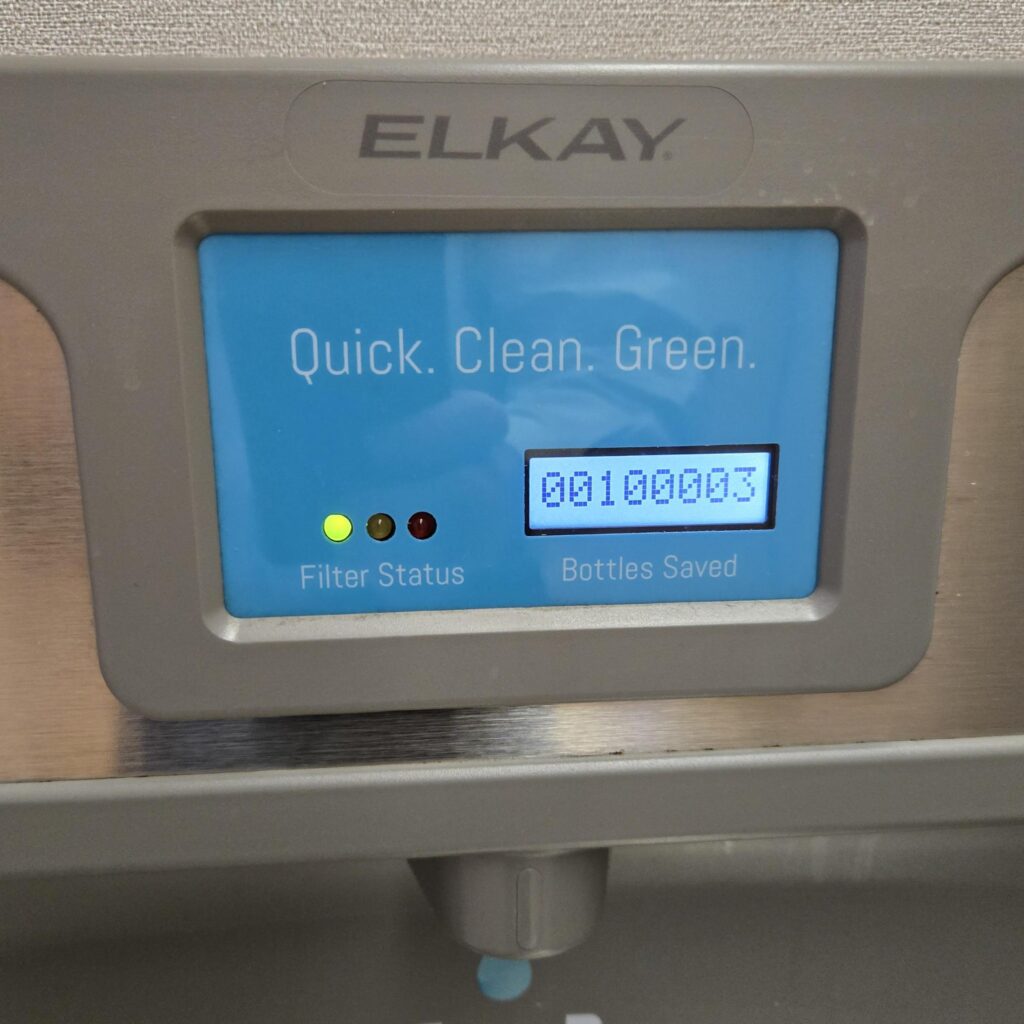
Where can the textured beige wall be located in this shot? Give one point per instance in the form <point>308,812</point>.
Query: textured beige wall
<point>642,29</point>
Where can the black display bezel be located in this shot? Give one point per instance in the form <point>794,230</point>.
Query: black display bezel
<point>773,479</point>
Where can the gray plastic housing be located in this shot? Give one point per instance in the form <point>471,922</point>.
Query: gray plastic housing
<point>112,171</point>
<point>517,906</point>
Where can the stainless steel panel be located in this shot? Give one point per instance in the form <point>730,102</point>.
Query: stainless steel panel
<point>58,721</point>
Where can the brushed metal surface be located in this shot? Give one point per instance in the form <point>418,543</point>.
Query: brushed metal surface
<point>58,720</point>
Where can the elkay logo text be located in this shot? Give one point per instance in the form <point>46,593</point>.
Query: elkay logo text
<point>416,137</point>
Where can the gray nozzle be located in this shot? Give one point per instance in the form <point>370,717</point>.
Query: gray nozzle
<point>516,905</point>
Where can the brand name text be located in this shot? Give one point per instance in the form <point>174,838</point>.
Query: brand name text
<point>417,137</point>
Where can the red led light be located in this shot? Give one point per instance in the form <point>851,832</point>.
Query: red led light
<point>422,525</point>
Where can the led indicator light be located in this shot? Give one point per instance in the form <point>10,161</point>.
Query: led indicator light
<point>422,525</point>
<point>380,526</point>
<point>337,528</point>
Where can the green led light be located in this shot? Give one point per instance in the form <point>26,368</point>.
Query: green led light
<point>337,528</point>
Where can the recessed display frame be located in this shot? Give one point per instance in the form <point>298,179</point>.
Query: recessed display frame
<point>489,630</point>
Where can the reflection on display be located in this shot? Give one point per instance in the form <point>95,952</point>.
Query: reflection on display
<point>372,397</point>
<point>631,490</point>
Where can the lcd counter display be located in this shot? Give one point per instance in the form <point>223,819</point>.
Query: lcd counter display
<point>408,422</point>
<point>632,490</point>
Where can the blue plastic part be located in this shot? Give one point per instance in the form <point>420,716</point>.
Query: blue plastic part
<point>504,980</point>
<point>398,373</point>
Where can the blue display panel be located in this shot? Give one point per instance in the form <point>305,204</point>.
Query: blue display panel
<point>627,490</point>
<point>375,399</point>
